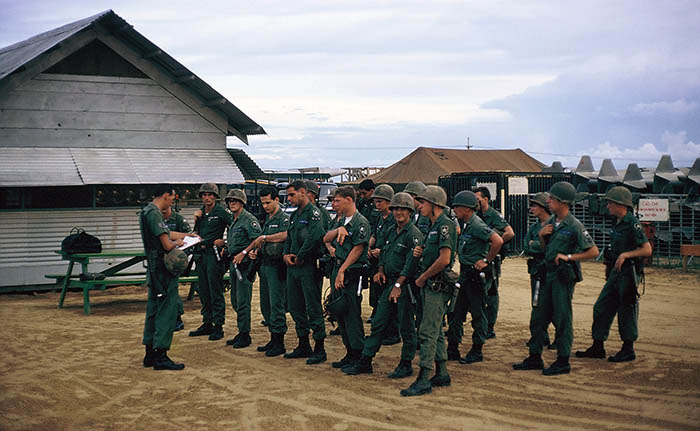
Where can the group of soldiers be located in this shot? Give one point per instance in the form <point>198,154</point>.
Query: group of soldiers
<point>402,247</point>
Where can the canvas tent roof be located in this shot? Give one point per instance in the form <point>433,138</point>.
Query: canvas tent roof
<point>428,164</point>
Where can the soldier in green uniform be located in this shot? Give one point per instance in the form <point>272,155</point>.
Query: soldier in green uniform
<point>415,188</point>
<point>349,241</point>
<point>301,251</point>
<point>536,265</point>
<point>312,191</point>
<point>365,206</point>
<point>437,255</point>
<point>565,242</point>
<point>210,222</point>
<point>161,309</point>
<point>242,231</point>
<point>395,274</point>
<point>495,221</point>
<point>177,223</point>
<point>628,244</point>
<point>269,247</point>
<point>478,246</point>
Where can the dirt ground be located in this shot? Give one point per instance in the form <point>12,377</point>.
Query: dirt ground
<point>62,370</point>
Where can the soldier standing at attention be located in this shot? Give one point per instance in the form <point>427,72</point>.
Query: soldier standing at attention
<point>623,268</point>
<point>244,229</point>
<point>495,221</point>
<point>350,240</point>
<point>395,274</point>
<point>162,285</point>
<point>210,222</point>
<point>478,246</point>
<point>565,242</point>
<point>438,254</point>
<point>536,266</point>
<point>269,247</point>
<point>177,223</point>
<point>303,290</point>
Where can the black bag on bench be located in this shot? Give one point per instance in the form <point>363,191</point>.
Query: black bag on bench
<point>78,241</point>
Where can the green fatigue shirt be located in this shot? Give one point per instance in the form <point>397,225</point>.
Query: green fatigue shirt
<point>474,242</point>
<point>279,222</point>
<point>397,255</point>
<point>494,220</point>
<point>533,247</point>
<point>242,231</point>
<point>305,233</point>
<point>152,228</point>
<point>358,233</point>
<point>626,235</point>
<point>212,225</point>
<point>569,237</point>
<point>422,223</point>
<point>177,223</point>
<point>382,230</point>
<point>371,213</point>
<point>443,233</point>
<point>326,220</point>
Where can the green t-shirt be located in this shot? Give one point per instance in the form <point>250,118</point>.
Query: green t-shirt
<point>358,233</point>
<point>177,223</point>
<point>474,241</point>
<point>442,233</point>
<point>569,237</point>
<point>212,225</point>
<point>152,227</point>
<point>305,233</point>
<point>626,235</point>
<point>397,254</point>
<point>242,231</point>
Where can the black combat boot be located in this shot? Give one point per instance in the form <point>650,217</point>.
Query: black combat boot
<point>345,360</point>
<point>421,386</point>
<point>266,347</point>
<point>625,354</point>
<point>179,324</point>
<point>453,352</point>
<point>205,329</point>
<point>532,362</point>
<point>490,333</point>
<point>217,333</point>
<point>596,351</point>
<point>560,366</point>
<point>303,350</point>
<point>319,354</point>
<point>277,345</point>
<point>243,340</point>
<point>441,377</point>
<point>361,366</point>
<point>355,355</point>
<point>149,359</point>
<point>402,370</point>
<point>162,362</point>
<point>474,355</point>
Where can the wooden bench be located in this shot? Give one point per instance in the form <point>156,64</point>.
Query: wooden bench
<point>688,251</point>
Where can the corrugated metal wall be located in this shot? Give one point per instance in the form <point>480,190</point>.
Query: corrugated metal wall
<point>30,238</point>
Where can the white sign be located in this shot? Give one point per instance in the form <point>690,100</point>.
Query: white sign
<point>492,189</point>
<point>653,210</point>
<point>517,186</point>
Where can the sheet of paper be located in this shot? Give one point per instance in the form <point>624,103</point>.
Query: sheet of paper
<point>190,241</point>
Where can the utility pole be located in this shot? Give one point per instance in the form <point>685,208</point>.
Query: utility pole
<point>469,147</point>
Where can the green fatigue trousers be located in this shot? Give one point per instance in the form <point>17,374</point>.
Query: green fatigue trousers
<point>533,287</point>
<point>161,313</point>
<point>211,288</point>
<point>384,318</point>
<point>304,300</point>
<point>430,335</point>
<point>491,302</point>
<point>180,306</point>
<point>352,330</point>
<point>554,306</point>
<point>241,292</point>
<point>472,298</point>
<point>271,281</point>
<point>619,296</point>
<point>265,297</point>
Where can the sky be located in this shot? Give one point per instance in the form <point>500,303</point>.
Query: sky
<point>355,83</point>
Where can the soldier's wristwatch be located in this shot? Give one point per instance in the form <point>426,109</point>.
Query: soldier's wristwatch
<point>486,261</point>
<point>244,252</point>
<point>397,285</point>
<point>568,257</point>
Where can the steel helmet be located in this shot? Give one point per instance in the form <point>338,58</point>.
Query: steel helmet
<point>466,198</point>
<point>311,186</point>
<point>415,188</point>
<point>209,188</point>
<point>435,195</point>
<point>540,199</point>
<point>383,191</point>
<point>236,194</point>
<point>402,200</point>
<point>563,192</point>
<point>175,261</point>
<point>620,195</point>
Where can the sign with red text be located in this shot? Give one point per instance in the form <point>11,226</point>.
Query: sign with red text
<point>653,210</point>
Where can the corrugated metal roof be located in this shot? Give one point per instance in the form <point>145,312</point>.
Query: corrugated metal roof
<point>13,57</point>
<point>80,166</point>
<point>249,169</point>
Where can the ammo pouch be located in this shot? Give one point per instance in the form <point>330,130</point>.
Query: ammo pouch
<point>569,272</point>
<point>272,252</point>
<point>443,282</point>
<point>472,277</point>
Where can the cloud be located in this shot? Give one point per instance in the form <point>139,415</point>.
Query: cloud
<point>677,107</point>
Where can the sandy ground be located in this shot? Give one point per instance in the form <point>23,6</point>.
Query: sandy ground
<point>60,369</point>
